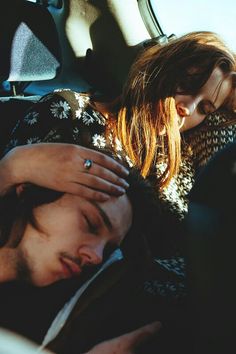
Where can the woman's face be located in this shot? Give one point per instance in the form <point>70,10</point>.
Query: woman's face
<point>194,109</point>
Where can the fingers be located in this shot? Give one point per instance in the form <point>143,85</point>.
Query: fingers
<point>140,335</point>
<point>100,184</point>
<point>104,161</point>
<point>127,343</point>
<point>96,174</point>
<point>62,168</point>
<point>88,193</point>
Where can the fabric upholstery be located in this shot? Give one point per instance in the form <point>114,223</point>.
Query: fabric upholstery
<point>29,50</point>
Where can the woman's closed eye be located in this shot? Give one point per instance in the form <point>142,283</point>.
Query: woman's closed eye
<point>206,107</point>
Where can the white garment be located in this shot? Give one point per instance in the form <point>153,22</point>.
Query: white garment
<point>12,343</point>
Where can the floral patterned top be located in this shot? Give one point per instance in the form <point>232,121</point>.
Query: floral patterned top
<point>60,116</point>
<point>66,116</point>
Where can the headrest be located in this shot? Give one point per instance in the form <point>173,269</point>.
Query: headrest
<point>29,45</point>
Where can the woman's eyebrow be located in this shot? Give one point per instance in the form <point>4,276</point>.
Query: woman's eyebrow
<point>104,216</point>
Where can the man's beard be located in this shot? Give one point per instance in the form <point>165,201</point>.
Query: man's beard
<point>23,272</point>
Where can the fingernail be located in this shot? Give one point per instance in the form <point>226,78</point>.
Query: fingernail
<point>124,183</point>
<point>105,197</point>
<point>125,171</point>
<point>156,325</point>
<point>121,190</point>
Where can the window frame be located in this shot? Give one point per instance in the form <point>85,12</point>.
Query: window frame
<point>149,18</point>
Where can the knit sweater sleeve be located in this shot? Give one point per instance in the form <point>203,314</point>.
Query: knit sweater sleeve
<point>217,131</point>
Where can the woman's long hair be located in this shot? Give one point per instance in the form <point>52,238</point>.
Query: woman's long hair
<point>147,123</point>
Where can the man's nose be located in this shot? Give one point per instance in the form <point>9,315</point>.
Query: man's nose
<point>186,108</point>
<point>91,255</point>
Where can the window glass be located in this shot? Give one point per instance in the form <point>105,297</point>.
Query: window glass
<point>180,17</point>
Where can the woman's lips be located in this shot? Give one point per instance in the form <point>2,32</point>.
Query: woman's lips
<point>70,268</point>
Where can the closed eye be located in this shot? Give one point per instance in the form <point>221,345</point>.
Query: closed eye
<point>206,107</point>
<point>92,227</point>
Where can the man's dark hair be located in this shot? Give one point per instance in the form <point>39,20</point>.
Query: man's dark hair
<point>17,210</point>
<point>145,230</point>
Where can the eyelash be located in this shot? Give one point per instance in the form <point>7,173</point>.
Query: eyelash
<point>202,110</point>
<point>93,229</point>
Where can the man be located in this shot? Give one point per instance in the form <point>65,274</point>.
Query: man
<point>120,283</point>
<point>48,236</point>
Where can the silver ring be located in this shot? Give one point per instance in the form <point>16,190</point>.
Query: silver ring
<point>88,164</point>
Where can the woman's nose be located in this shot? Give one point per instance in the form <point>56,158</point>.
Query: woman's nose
<point>186,109</point>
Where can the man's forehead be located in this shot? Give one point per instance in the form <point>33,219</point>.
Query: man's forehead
<point>104,215</point>
<point>119,212</point>
<point>117,205</point>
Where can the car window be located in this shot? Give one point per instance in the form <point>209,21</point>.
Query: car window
<point>180,17</point>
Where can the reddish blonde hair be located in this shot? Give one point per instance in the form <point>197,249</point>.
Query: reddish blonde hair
<point>147,123</point>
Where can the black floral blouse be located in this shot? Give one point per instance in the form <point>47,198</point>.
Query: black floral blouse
<point>60,117</point>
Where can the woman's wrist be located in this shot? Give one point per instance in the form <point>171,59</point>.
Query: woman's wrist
<point>12,168</point>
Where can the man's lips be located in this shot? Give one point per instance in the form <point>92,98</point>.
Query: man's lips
<point>70,268</point>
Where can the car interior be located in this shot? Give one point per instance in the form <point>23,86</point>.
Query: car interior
<point>48,45</point>
<point>82,45</point>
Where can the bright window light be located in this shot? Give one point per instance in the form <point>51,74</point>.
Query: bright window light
<point>180,17</point>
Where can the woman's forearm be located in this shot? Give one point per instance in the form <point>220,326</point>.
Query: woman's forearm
<point>11,169</point>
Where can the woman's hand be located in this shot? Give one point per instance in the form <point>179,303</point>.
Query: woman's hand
<point>128,343</point>
<point>61,167</point>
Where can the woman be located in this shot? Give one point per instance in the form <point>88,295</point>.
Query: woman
<point>170,90</point>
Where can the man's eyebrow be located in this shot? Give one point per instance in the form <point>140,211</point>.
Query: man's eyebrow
<point>104,216</point>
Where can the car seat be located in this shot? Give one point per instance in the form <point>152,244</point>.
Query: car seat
<point>30,51</point>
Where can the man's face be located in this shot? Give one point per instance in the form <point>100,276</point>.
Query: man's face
<point>73,233</point>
